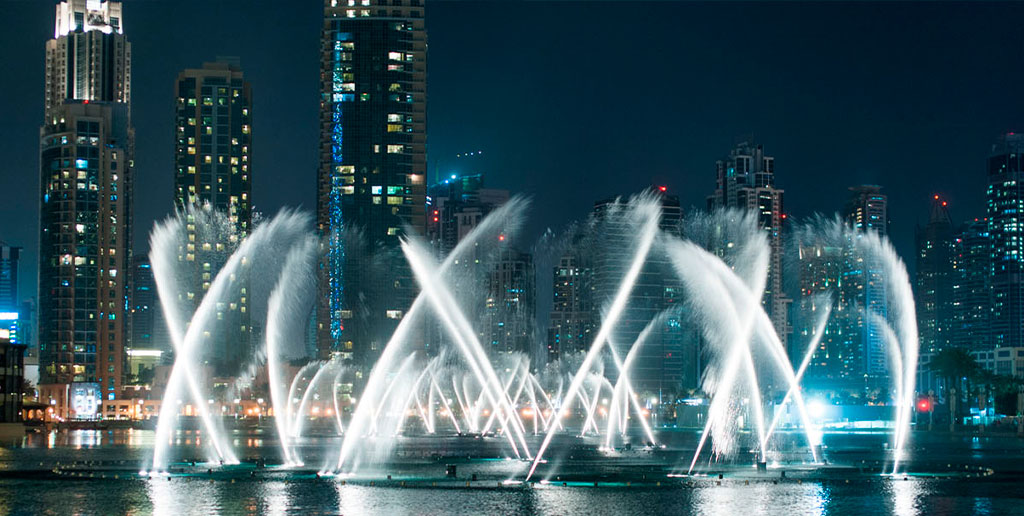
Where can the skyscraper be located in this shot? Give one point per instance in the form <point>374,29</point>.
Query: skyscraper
<point>572,324</point>
<point>867,210</point>
<point>936,268</point>
<point>148,337</point>
<point>213,172</point>
<point>372,173</point>
<point>10,257</point>
<point>838,359</point>
<point>746,181</point>
<point>972,288</point>
<point>1005,200</point>
<point>662,365</point>
<point>455,206</point>
<point>11,316</point>
<point>86,167</point>
<point>508,324</point>
<point>213,140</point>
<point>851,354</point>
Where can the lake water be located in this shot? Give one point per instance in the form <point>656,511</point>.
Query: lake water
<point>419,486</point>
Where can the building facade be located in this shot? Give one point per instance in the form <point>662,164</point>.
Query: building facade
<point>1005,203</point>
<point>509,310</point>
<point>86,167</point>
<point>867,210</point>
<point>12,371</point>
<point>13,317</point>
<point>149,341</point>
<point>664,363</point>
<point>572,325</point>
<point>972,291</point>
<point>213,173</point>
<point>935,278</point>
<point>745,180</point>
<point>372,173</point>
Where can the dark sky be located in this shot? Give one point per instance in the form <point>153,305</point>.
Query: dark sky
<point>575,101</point>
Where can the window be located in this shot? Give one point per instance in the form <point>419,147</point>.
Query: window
<point>396,149</point>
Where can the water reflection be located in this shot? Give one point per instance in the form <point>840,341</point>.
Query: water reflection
<point>761,498</point>
<point>88,439</point>
<point>906,497</point>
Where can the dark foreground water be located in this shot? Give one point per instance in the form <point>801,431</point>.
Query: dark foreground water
<point>28,484</point>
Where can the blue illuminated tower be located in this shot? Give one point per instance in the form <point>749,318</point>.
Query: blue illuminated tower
<point>372,174</point>
<point>1005,199</point>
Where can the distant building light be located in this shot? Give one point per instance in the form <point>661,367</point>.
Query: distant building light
<point>9,316</point>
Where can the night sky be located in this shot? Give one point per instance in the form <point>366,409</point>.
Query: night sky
<point>571,102</point>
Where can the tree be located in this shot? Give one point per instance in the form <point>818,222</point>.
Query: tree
<point>27,389</point>
<point>955,366</point>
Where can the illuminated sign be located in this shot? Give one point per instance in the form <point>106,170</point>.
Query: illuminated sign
<point>8,316</point>
<point>85,400</point>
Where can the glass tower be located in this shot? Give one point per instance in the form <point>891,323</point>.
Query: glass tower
<point>86,145</point>
<point>1005,200</point>
<point>213,171</point>
<point>372,174</point>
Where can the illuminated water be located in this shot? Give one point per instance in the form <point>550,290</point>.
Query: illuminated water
<point>28,488</point>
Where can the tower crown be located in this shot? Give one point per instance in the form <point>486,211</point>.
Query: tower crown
<point>86,16</point>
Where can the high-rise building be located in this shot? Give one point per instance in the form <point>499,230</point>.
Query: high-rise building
<point>663,364</point>
<point>372,173</point>
<point>11,316</point>
<point>213,140</point>
<point>838,358</point>
<point>867,210</point>
<point>851,354</point>
<point>746,181</point>
<point>509,311</point>
<point>213,172</point>
<point>455,206</point>
<point>148,341</point>
<point>935,280</point>
<point>10,257</point>
<point>572,324</point>
<point>86,168</point>
<point>972,287</point>
<point>1005,200</point>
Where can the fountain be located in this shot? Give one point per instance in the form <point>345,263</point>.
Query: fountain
<point>720,259</point>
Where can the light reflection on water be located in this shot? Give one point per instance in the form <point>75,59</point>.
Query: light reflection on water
<point>790,499</point>
<point>181,496</point>
<point>905,496</point>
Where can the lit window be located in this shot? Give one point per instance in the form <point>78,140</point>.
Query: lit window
<point>395,149</point>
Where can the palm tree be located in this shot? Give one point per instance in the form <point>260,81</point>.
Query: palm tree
<point>955,366</point>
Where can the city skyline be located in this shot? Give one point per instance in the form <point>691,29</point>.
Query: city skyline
<point>645,257</point>
<point>683,166</point>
